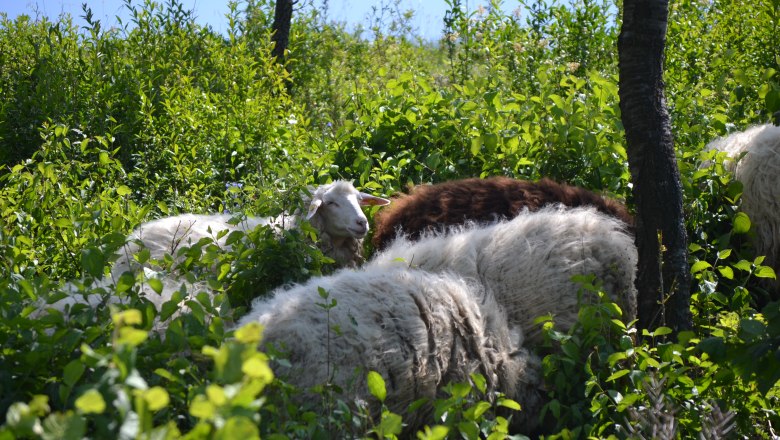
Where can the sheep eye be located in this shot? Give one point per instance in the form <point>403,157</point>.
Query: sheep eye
<point>332,203</point>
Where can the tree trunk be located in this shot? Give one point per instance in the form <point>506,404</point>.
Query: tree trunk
<point>281,28</point>
<point>663,276</point>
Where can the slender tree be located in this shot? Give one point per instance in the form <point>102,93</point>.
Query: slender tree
<point>281,28</point>
<point>663,275</point>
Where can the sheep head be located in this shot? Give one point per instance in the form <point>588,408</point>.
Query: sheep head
<point>335,210</point>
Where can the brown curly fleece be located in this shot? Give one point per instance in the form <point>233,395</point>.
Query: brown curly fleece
<point>436,207</point>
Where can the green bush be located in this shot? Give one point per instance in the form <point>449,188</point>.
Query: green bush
<point>103,129</point>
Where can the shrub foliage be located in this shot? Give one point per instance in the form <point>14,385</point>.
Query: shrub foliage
<point>102,129</point>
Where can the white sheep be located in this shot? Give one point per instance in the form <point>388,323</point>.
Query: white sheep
<point>417,329</point>
<point>759,173</point>
<point>334,210</point>
<point>528,262</point>
<point>102,292</point>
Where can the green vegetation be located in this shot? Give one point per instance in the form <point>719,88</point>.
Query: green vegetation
<point>102,129</point>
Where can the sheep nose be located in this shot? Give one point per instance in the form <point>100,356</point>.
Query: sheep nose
<point>363,223</point>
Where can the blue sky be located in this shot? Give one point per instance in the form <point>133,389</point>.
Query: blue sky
<point>428,20</point>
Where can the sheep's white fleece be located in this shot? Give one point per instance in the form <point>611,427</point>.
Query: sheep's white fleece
<point>162,236</point>
<point>169,234</point>
<point>333,209</point>
<point>528,263</point>
<point>103,293</point>
<point>418,330</point>
<point>759,172</point>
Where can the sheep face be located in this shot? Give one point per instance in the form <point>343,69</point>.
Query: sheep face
<point>338,207</point>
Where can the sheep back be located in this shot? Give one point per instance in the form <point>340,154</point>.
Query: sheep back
<point>437,207</point>
<point>418,330</point>
<point>169,234</point>
<point>528,262</point>
<point>758,172</point>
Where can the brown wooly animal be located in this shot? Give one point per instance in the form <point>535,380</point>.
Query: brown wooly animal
<point>432,208</point>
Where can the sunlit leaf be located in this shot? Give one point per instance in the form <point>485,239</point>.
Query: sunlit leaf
<point>91,402</point>
<point>376,386</point>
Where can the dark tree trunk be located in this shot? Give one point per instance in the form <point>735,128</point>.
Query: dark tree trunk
<point>663,276</point>
<point>281,28</point>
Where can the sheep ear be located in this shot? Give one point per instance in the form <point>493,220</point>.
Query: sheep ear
<point>369,200</point>
<point>313,206</point>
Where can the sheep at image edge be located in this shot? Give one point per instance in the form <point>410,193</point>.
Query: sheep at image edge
<point>334,211</point>
<point>759,173</point>
<point>528,263</point>
<point>418,330</point>
<point>436,207</point>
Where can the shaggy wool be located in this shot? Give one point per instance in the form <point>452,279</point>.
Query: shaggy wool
<point>528,262</point>
<point>418,330</point>
<point>759,172</point>
<point>437,207</point>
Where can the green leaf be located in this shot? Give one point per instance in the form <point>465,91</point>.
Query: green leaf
<point>558,101</point>
<point>476,411</point>
<point>476,145</point>
<point>165,374</point>
<point>238,427</point>
<point>91,402</point>
<point>509,403</point>
<point>216,395</point>
<point>250,333</point>
<point>627,401</point>
<point>202,408</point>
<point>460,390</point>
<point>257,367</point>
<point>651,362</point>
<point>155,284</point>
<point>616,357</point>
<point>765,272</point>
<point>469,429</point>
<point>741,223</point>
<point>123,190</point>
<point>376,386</point>
<point>438,432</point>
<point>93,262</point>
<point>743,265</point>
<point>750,328</point>
<point>715,347</point>
<point>73,372</point>
<point>127,317</point>
<point>726,272</point>
<point>617,375</point>
<point>28,288</point>
<point>125,282</point>
<point>171,306</point>
<point>63,223</point>
<point>490,141</point>
<point>131,336</point>
<point>156,398</point>
<point>390,425</point>
<point>700,266</point>
<point>479,382</point>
